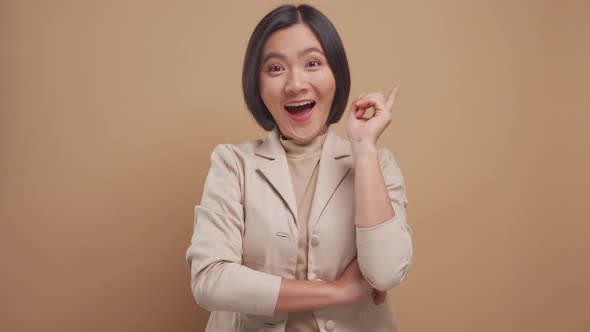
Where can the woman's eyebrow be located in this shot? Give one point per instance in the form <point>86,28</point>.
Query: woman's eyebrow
<point>310,50</point>
<point>271,55</point>
<point>306,51</point>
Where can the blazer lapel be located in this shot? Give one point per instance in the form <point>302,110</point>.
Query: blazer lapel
<point>272,163</point>
<point>335,163</point>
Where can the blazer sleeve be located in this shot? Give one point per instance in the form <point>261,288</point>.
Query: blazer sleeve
<point>384,251</point>
<point>218,279</point>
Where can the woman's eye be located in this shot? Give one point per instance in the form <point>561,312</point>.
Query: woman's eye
<point>275,68</point>
<point>313,63</point>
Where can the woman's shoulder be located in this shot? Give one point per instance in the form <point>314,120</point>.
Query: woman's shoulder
<point>239,153</point>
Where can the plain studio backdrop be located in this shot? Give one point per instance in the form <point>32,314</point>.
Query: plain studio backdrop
<point>110,110</point>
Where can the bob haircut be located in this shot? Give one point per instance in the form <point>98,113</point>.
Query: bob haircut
<point>281,18</point>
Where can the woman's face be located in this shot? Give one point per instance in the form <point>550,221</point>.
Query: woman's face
<point>296,82</point>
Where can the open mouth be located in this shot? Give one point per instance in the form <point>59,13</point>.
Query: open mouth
<point>300,107</point>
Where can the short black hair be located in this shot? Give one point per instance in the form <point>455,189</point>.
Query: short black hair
<point>281,18</point>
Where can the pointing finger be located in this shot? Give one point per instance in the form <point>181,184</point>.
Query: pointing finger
<point>391,98</point>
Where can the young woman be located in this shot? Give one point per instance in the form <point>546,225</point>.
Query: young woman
<point>301,230</point>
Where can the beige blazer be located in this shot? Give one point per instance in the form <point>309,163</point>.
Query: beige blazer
<point>245,237</point>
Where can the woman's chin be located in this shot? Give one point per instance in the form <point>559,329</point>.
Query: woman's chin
<point>304,135</point>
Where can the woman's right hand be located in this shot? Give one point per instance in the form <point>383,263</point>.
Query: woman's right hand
<point>352,286</point>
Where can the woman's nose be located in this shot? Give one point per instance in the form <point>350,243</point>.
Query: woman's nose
<point>295,82</point>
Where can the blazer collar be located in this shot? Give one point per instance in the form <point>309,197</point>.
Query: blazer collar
<point>334,165</point>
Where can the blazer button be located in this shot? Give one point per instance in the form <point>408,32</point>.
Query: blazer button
<point>330,325</point>
<point>315,240</point>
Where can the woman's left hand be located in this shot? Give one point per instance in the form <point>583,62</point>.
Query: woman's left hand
<point>365,132</point>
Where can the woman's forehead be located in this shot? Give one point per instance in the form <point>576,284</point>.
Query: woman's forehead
<point>296,40</point>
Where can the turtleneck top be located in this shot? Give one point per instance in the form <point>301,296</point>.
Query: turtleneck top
<point>303,161</point>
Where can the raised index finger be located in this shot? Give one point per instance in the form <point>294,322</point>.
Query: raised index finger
<point>391,98</point>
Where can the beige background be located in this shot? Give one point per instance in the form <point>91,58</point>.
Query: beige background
<point>110,109</point>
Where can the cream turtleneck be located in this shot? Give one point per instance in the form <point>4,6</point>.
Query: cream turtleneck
<point>303,160</point>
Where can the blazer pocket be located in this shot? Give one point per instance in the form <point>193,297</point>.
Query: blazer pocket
<point>274,253</point>
<point>249,323</point>
<point>282,235</point>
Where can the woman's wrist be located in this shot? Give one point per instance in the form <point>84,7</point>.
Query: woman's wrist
<point>337,294</point>
<point>341,294</point>
<point>362,151</point>
<point>305,295</point>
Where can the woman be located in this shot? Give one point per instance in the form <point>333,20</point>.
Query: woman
<point>302,230</point>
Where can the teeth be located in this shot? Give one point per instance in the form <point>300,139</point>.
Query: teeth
<point>300,104</point>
